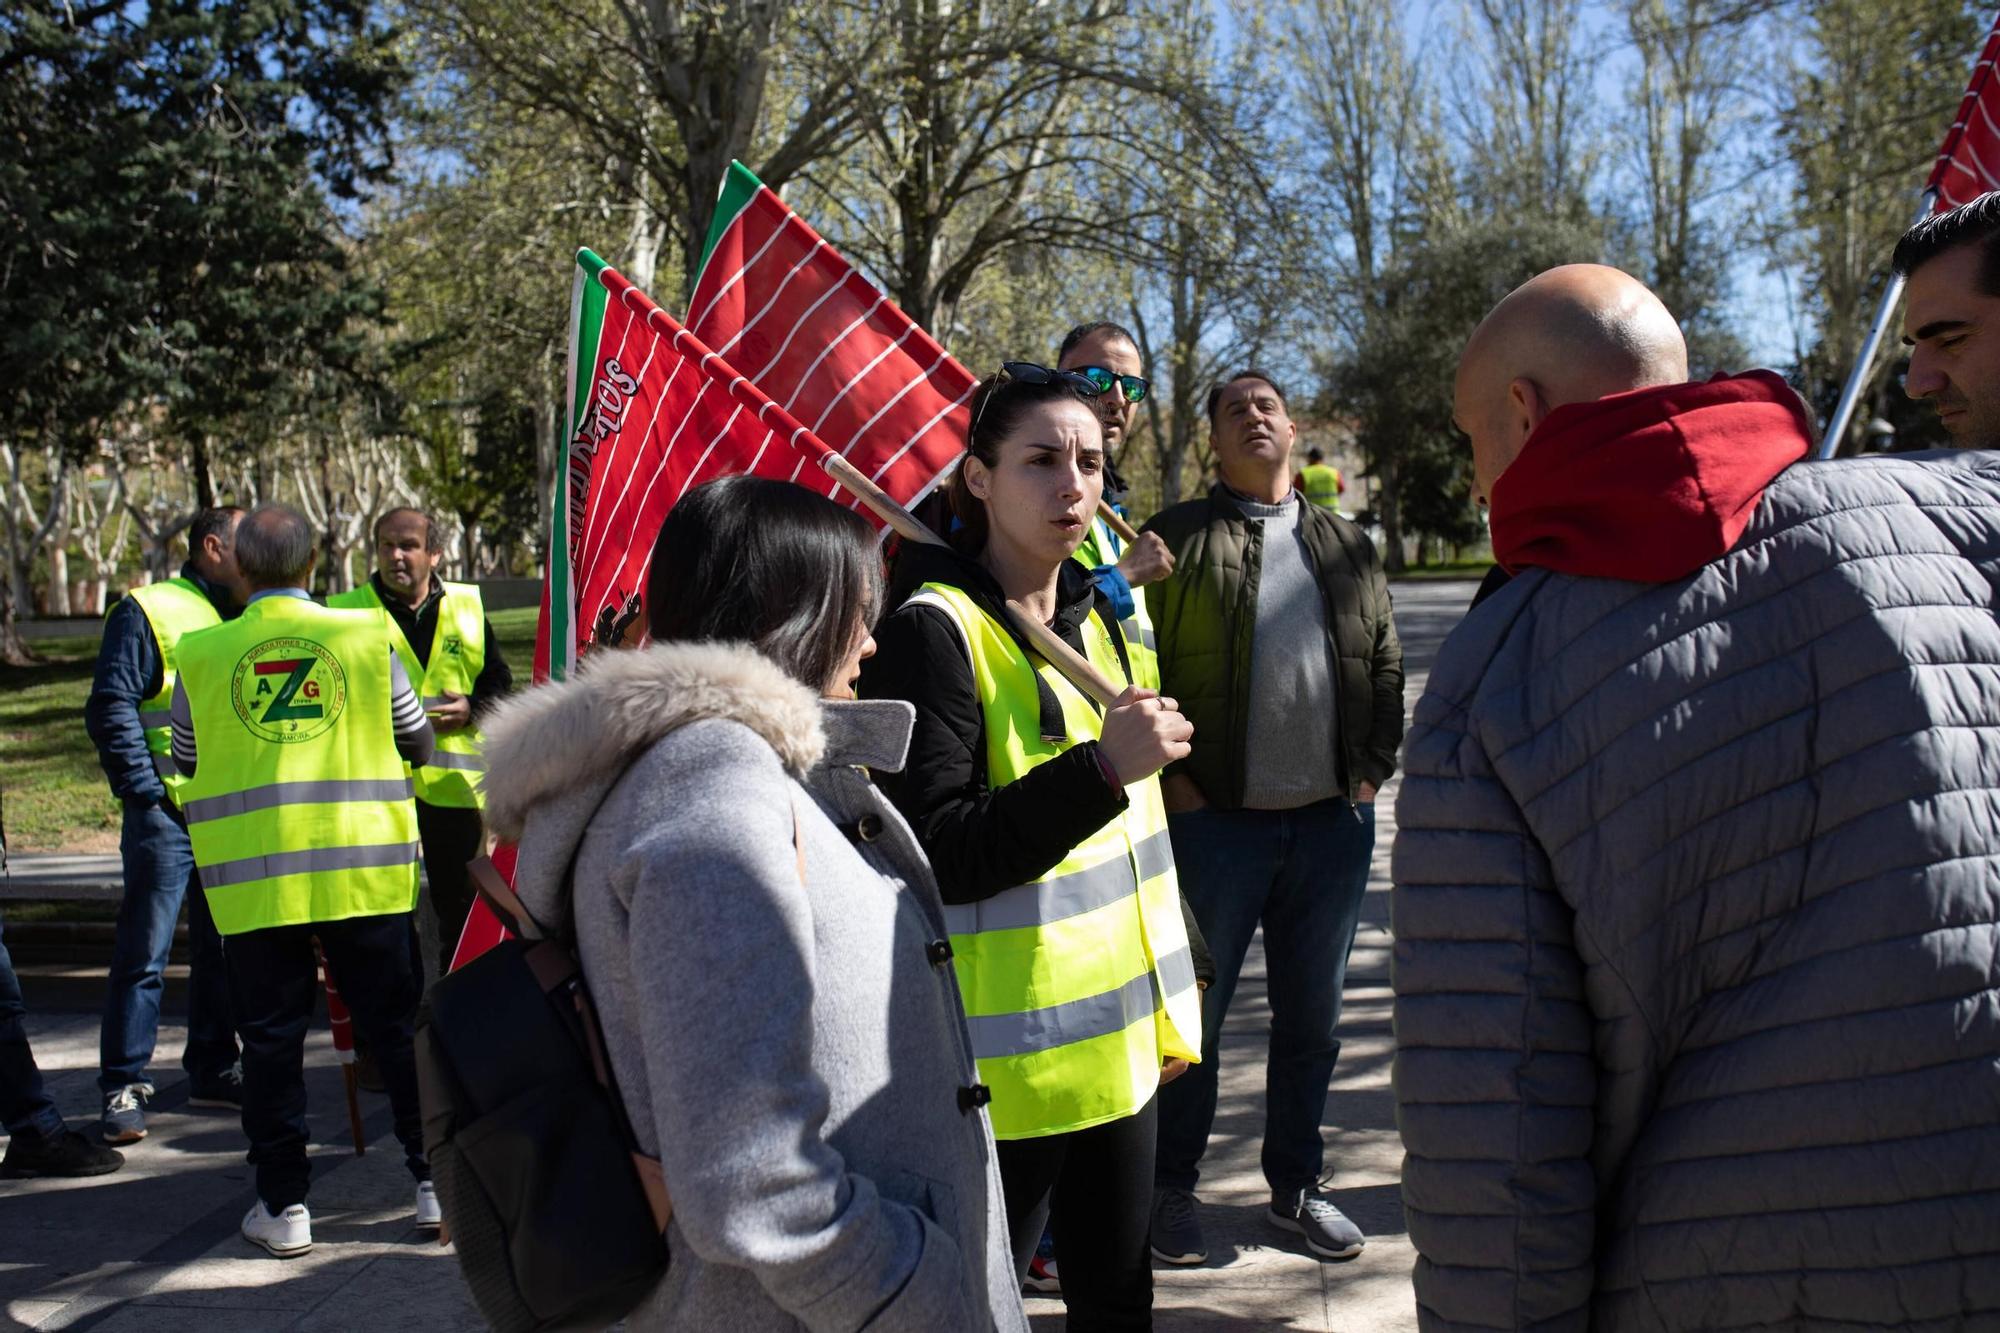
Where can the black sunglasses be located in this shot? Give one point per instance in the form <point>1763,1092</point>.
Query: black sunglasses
<point>1132,386</point>
<point>1027,372</point>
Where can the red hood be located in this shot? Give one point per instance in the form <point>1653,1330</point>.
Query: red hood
<point>1648,485</point>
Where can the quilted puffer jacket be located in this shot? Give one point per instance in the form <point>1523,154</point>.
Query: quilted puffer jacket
<point>1697,968</point>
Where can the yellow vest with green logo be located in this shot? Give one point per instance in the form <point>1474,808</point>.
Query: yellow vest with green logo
<point>457,656</point>
<point>300,807</point>
<point>1079,985</point>
<point>1322,485</point>
<point>173,609</point>
<point>1101,547</point>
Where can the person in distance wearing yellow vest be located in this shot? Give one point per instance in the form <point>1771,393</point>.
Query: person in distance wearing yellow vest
<point>1042,817</point>
<point>295,724</point>
<point>1108,356</point>
<point>126,716</point>
<point>453,660</point>
<point>1320,483</point>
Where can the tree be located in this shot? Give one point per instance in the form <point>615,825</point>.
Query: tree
<point>1526,116</point>
<point>169,244</point>
<point>1685,106</point>
<point>1397,382</point>
<point>669,92</point>
<point>1861,125</point>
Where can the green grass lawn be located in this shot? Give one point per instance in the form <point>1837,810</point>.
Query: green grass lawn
<point>56,798</point>
<point>55,792</point>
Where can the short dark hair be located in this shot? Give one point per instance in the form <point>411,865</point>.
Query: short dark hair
<point>755,560</point>
<point>1315,454</point>
<point>998,405</point>
<point>432,542</point>
<point>1082,331</point>
<point>211,522</point>
<point>274,547</point>
<point>1247,373</point>
<point>1975,223</point>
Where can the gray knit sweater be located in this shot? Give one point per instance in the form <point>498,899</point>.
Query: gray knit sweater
<point>792,1050</point>
<point>1290,756</point>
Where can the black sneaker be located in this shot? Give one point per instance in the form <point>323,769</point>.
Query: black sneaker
<point>1176,1233</point>
<point>1327,1231</point>
<point>222,1090</point>
<point>67,1154</point>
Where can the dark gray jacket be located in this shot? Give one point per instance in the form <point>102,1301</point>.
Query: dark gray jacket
<point>787,1037</point>
<point>1697,967</point>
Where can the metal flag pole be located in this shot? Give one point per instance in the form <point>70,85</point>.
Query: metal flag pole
<point>1857,379</point>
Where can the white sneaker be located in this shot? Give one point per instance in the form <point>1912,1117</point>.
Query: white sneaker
<point>289,1233</point>
<point>428,1212</point>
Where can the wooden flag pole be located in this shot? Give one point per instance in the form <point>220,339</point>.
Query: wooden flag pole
<point>1076,668</point>
<point>1126,532</point>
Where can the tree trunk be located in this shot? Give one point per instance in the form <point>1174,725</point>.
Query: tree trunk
<point>13,650</point>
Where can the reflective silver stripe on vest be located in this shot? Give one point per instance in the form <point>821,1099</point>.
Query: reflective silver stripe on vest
<point>164,765</point>
<point>1176,971</point>
<point>471,763</point>
<point>332,791</point>
<point>1064,896</point>
<point>434,701</point>
<point>249,869</point>
<point>152,719</point>
<point>997,1036</point>
<point>1141,634</point>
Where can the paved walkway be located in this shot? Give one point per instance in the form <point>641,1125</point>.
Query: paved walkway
<point>154,1247</point>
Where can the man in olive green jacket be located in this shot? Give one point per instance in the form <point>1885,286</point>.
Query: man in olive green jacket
<point>1276,636</point>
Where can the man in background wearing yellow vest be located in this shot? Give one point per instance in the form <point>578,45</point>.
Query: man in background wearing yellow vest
<point>1319,482</point>
<point>453,660</point>
<point>126,717</point>
<point>295,724</point>
<point>1108,356</point>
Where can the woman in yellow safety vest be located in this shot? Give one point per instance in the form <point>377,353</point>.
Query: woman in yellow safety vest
<point>1041,814</point>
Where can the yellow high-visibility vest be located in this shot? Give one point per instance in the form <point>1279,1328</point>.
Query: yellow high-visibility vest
<point>457,656</point>
<point>1078,985</point>
<point>173,609</point>
<point>1101,547</point>
<point>1322,485</point>
<point>300,807</point>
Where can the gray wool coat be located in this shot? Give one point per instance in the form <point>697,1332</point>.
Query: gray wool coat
<point>792,1049</point>
<point>1697,967</point>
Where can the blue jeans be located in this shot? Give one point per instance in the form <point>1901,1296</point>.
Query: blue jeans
<point>159,873</point>
<point>1302,874</point>
<point>25,1105</point>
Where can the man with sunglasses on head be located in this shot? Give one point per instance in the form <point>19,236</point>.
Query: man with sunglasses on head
<point>1108,357</point>
<point>1275,635</point>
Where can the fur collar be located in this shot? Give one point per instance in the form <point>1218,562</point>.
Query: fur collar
<point>550,740</point>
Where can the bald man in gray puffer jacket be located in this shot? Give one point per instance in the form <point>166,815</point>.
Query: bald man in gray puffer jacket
<point>1697,966</point>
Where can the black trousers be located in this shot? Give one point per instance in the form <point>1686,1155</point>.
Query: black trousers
<point>451,837</point>
<point>1096,1185</point>
<point>273,984</point>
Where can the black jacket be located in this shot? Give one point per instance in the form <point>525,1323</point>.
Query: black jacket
<point>983,840</point>
<point>419,626</point>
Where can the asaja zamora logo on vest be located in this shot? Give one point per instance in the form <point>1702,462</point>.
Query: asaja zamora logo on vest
<point>288,690</point>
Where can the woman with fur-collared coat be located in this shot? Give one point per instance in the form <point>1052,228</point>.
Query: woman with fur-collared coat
<point>758,929</point>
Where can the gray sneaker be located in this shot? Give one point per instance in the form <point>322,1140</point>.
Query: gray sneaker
<point>1176,1234</point>
<point>1327,1231</point>
<point>124,1119</point>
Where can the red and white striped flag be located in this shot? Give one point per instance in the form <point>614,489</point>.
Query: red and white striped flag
<point>791,313</point>
<point>1969,163</point>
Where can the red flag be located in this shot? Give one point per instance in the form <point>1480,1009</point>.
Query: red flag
<point>1969,163</point>
<point>788,311</point>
